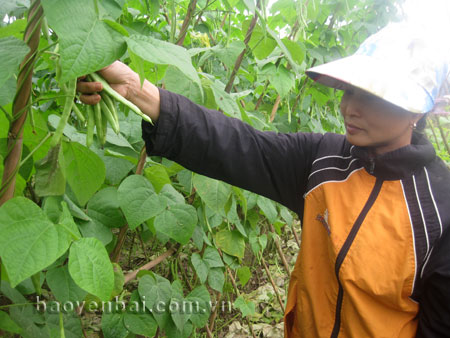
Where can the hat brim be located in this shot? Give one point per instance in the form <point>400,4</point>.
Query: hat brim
<point>369,74</point>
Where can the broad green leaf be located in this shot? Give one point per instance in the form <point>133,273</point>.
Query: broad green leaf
<point>85,171</point>
<point>15,29</point>
<point>296,49</point>
<point>176,81</point>
<point>285,50</point>
<point>70,320</point>
<point>229,54</point>
<point>97,230</point>
<point>12,53</point>
<point>157,176</point>
<point>156,291</point>
<point>138,200</point>
<point>113,325</point>
<point>62,285</point>
<point>283,80</point>
<point>231,242</point>
<point>7,92</point>
<point>200,267</point>
<point>119,280</point>
<point>7,324</point>
<point>244,275</point>
<point>170,195</point>
<point>212,258</point>
<point>173,332</point>
<point>213,192</point>
<point>216,279</point>
<point>29,241</point>
<point>50,179</point>
<point>178,222</point>
<point>90,267</point>
<point>82,35</point>
<point>201,298</point>
<point>104,208</point>
<point>163,53</point>
<point>140,323</point>
<point>245,306</point>
<point>178,314</point>
<point>268,208</point>
<point>224,100</point>
<point>66,221</point>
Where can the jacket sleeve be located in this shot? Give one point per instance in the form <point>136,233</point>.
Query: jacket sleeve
<point>434,302</point>
<point>205,141</point>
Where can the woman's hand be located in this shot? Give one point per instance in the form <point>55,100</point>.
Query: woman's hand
<point>126,82</point>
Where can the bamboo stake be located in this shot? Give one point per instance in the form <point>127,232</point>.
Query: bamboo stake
<point>187,19</point>
<point>280,251</point>
<point>15,133</point>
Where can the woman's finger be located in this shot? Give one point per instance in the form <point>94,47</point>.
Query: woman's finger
<point>89,87</point>
<point>91,99</point>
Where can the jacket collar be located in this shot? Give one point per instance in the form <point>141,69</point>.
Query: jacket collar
<point>399,163</point>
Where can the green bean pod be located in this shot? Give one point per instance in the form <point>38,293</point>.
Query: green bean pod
<point>78,113</point>
<point>98,122</point>
<point>68,103</point>
<point>104,127</point>
<point>109,116</point>
<point>90,126</point>
<point>115,95</point>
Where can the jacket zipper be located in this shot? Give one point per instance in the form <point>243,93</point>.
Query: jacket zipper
<point>346,247</point>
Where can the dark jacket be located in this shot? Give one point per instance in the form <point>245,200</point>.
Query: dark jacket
<point>375,257</point>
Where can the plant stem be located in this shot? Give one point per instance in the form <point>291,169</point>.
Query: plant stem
<point>272,282</point>
<point>275,108</point>
<point>279,249</point>
<point>238,62</point>
<point>132,275</point>
<point>187,19</point>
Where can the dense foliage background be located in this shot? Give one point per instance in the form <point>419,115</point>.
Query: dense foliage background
<point>80,225</point>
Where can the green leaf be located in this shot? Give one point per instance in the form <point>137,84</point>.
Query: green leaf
<point>268,208</point>
<point>296,49</point>
<point>176,81</point>
<point>245,306</point>
<point>200,267</point>
<point>179,314</point>
<point>244,275</point>
<point>29,241</point>
<point>15,29</point>
<point>178,222</point>
<point>113,325</point>
<point>50,179</point>
<point>62,285</point>
<point>216,279</point>
<point>138,200</point>
<point>212,258</point>
<point>231,242</point>
<point>157,292</point>
<point>163,53</point>
<point>229,54</point>
<point>201,298</point>
<point>214,193</point>
<point>90,267</point>
<point>157,176</point>
<point>170,195</point>
<point>285,50</point>
<point>82,35</point>
<point>104,208</point>
<point>7,324</point>
<point>280,78</point>
<point>97,230</point>
<point>85,171</point>
<point>224,100</point>
<point>119,280</point>
<point>140,323</point>
<point>12,53</point>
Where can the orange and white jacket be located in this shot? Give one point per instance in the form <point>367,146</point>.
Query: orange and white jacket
<point>375,243</point>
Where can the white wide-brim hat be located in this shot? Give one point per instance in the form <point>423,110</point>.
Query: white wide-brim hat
<point>397,64</point>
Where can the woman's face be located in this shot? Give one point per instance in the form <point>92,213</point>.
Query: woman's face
<point>373,122</point>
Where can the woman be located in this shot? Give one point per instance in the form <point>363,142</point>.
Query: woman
<point>374,203</point>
